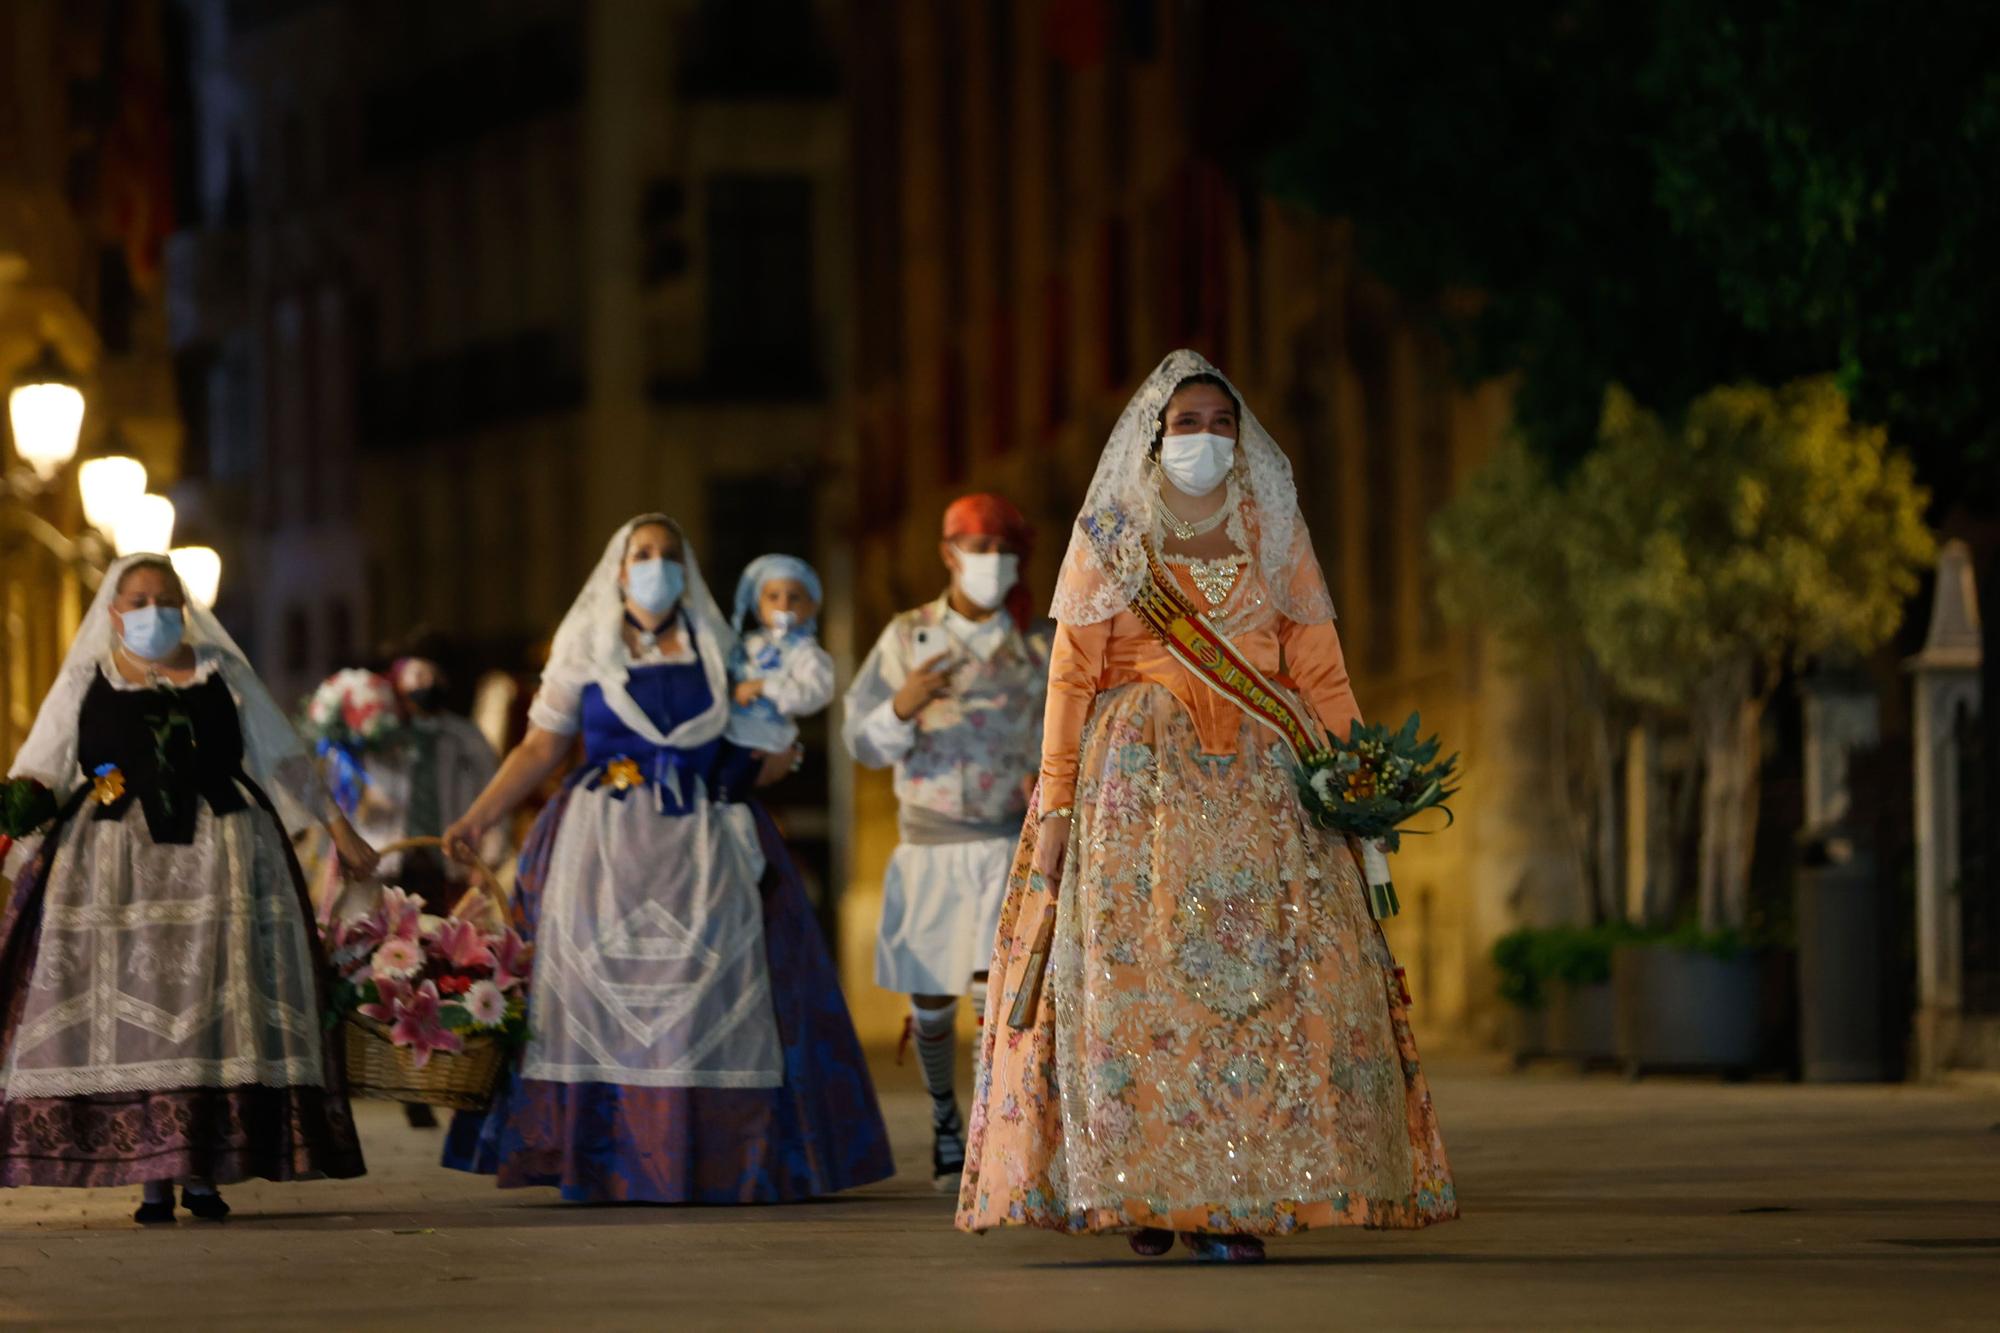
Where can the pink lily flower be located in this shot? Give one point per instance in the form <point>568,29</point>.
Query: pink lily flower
<point>390,994</point>
<point>402,915</point>
<point>349,944</point>
<point>461,945</point>
<point>420,1027</point>
<point>512,959</point>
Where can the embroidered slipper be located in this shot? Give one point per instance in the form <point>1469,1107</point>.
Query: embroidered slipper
<point>1210,1248</point>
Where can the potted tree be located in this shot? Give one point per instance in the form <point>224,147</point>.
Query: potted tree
<point>1515,959</point>
<point>1709,556</point>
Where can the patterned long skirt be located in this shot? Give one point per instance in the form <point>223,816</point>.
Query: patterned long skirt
<point>820,1132</point>
<point>161,1011</point>
<point>1222,1045</point>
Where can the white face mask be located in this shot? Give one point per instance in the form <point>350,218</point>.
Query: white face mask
<point>987,579</point>
<point>1196,464</point>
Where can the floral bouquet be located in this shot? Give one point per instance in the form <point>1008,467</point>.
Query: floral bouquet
<point>1371,784</point>
<point>351,712</point>
<point>25,807</point>
<point>430,985</point>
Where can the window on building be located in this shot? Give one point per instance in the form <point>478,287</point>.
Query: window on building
<point>663,230</point>
<point>1001,69</point>
<point>758,49</point>
<point>1139,29</point>
<point>1116,312</point>
<point>298,641</point>
<point>877,95</point>
<point>117,300</point>
<point>744,512</point>
<point>760,284</point>
<point>1057,199</point>
<point>954,425</point>
<point>341,641</point>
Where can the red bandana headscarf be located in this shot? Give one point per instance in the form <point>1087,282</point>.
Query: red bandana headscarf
<point>989,515</point>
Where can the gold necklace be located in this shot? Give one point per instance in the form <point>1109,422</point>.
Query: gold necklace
<point>1181,527</point>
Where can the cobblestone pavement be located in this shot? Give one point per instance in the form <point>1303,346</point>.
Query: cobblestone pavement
<point>1590,1203</point>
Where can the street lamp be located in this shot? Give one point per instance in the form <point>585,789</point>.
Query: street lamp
<point>145,524</point>
<point>47,412</point>
<point>108,486</point>
<point>200,569</point>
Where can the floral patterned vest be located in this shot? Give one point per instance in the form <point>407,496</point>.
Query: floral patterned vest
<point>976,743</point>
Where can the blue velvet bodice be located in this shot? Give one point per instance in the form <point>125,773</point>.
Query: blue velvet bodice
<point>670,694</point>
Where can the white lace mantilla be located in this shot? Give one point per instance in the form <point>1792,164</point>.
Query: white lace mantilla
<point>165,966</point>
<point>1106,563</point>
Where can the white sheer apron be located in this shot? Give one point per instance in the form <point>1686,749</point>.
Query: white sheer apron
<point>649,958</point>
<point>164,966</point>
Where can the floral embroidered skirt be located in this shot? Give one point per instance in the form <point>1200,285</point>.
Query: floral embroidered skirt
<point>1221,1044</point>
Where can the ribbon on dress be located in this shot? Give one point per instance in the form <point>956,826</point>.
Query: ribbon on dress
<point>348,776</point>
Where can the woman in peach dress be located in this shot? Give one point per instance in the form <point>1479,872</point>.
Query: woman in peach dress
<point>1222,1049</point>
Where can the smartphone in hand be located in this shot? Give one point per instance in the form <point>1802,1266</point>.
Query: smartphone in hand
<point>928,642</point>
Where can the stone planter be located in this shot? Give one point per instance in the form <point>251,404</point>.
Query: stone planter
<point>1684,1010</point>
<point>1525,1032</point>
<point>1582,1022</point>
<point>1841,1037</point>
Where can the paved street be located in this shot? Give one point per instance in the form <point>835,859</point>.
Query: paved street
<point>1590,1204</point>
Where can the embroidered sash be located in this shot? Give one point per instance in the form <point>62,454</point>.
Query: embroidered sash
<point>1198,645</point>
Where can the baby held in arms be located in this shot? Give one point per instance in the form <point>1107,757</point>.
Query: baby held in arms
<point>779,673</point>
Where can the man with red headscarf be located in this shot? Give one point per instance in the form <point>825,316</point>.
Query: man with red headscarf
<point>952,698</point>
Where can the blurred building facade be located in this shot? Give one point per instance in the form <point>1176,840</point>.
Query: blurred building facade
<point>86,193</point>
<point>1045,204</point>
<point>473,284</point>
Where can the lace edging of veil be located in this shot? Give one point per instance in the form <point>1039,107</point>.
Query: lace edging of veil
<point>1106,563</point>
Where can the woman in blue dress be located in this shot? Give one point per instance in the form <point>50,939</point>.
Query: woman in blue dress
<point>688,1039</point>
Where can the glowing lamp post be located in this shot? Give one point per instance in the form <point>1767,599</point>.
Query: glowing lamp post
<point>47,412</point>
<point>108,486</point>
<point>200,569</point>
<point>146,523</point>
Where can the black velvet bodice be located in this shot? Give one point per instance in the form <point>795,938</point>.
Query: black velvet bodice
<point>173,748</point>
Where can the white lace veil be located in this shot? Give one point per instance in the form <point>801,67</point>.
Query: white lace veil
<point>1106,565</point>
<point>273,754</point>
<point>589,647</point>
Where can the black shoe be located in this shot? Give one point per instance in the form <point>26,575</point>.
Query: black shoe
<point>153,1214</point>
<point>419,1115</point>
<point>947,1150</point>
<point>208,1207</point>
